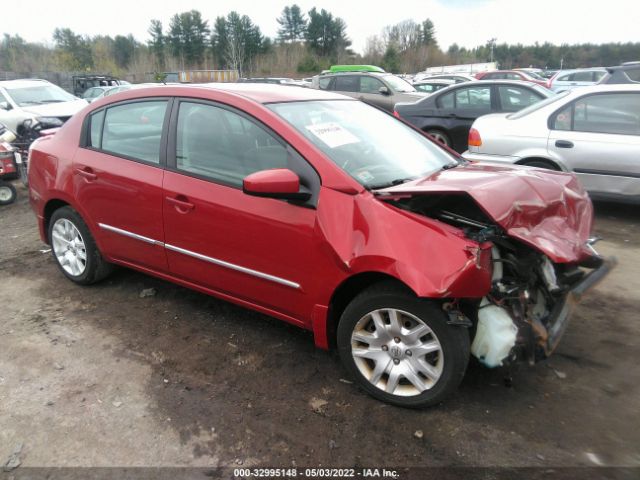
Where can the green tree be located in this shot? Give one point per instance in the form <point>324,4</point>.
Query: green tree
<point>326,35</point>
<point>429,33</point>
<point>237,41</point>
<point>157,43</point>
<point>391,59</point>
<point>74,50</point>
<point>187,37</point>
<point>123,49</point>
<point>292,24</point>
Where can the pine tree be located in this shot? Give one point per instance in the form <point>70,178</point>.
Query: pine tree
<point>157,43</point>
<point>292,24</point>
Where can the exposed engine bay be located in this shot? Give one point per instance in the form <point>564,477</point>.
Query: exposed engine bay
<point>526,311</point>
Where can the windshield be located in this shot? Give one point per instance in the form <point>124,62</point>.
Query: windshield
<point>539,105</point>
<point>39,94</point>
<point>398,84</point>
<point>371,146</point>
<point>534,75</point>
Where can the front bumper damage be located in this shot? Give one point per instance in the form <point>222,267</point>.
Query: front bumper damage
<point>522,327</point>
<point>547,338</point>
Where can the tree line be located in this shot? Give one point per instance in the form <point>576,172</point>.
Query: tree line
<point>306,42</point>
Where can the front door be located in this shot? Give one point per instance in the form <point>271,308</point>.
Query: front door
<point>260,250</point>
<point>118,181</point>
<point>598,137</point>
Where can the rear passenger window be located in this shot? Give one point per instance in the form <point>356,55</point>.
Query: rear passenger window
<point>97,120</point>
<point>614,113</point>
<point>132,130</point>
<point>634,75</point>
<point>347,84</point>
<point>446,101</point>
<point>223,146</point>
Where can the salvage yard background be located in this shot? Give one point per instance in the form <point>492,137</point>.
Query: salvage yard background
<point>120,375</point>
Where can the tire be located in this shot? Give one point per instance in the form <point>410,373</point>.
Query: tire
<point>8,193</point>
<point>74,249</point>
<point>440,137</point>
<point>381,349</point>
<point>540,164</point>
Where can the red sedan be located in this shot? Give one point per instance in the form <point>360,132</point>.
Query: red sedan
<point>326,213</point>
<point>513,75</point>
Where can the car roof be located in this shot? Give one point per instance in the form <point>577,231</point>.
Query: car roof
<point>589,69</point>
<point>23,82</point>
<point>499,82</point>
<point>257,92</point>
<point>373,74</point>
<point>440,81</point>
<point>602,88</point>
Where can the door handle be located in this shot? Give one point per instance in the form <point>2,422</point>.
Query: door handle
<point>564,144</point>
<point>86,172</point>
<point>181,203</point>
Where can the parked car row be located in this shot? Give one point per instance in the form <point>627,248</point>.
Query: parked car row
<point>448,114</point>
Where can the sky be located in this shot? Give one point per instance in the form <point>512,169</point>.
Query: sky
<point>466,22</point>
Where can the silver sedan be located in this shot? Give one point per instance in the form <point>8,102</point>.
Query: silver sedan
<point>592,131</point>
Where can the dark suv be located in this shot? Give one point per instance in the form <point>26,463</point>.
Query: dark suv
<point>628,72</point>
<point>382,90</point>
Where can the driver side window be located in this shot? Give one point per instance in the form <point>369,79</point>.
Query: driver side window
<point>370,85</point>
<point>221,145</point>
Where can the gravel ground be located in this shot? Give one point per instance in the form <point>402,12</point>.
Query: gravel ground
<point>98,376</point>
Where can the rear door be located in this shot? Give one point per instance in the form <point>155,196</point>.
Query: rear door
<point>117,180</point>
<point>258,250</point>
<point>598,137</point>
<point>511,98</point>
<point>460,108</point>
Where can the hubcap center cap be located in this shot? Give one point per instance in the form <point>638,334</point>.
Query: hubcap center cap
<point>396,352</point>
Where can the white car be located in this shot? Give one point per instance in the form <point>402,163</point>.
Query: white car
<point>38,100</point>
<point>570,79</point>
<point>592,131</point>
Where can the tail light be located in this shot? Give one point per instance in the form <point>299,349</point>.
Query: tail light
<point>396,114</point>
<point>7,165</point>
<point>474,138</point>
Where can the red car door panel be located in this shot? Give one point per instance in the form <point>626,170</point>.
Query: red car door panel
<point>117,181</point>
<point>253,248</point>
<point>124,202</point>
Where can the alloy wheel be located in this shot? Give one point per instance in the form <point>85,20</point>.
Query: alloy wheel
<point>397,352</point>
<point>69,247</point>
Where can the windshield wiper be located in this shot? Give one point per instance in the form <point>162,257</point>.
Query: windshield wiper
<point>450,165</point>
<point>392,183</point>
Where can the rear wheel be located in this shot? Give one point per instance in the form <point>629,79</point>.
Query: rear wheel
<point>440,137</point>
<point>400,349</point>
<point>74,248</point>
<point>8,193</point>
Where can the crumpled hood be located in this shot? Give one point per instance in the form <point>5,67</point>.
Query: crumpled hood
<point>545,209</point>
<point>61,109</point>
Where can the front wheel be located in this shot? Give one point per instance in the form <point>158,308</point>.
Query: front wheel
<point>400,349</point>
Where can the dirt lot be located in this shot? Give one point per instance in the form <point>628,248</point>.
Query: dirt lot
<point>98,376</point>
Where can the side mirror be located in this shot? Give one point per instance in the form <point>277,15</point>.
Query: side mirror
<point>276,183</point>
<point>384,90</point>
<point>5,106</point>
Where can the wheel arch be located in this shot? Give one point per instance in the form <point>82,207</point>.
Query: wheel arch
<point>51,206</point>
<point>342,295</point>
<point>552,163</point>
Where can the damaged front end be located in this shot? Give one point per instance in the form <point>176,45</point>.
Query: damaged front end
<point>527,308</point>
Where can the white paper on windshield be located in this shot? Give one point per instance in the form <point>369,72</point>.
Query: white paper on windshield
<point>333,134</point>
